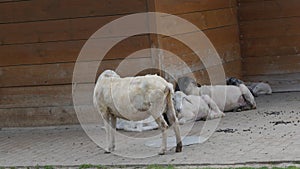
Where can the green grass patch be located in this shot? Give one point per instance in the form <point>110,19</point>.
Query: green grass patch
<point>290,167</point>
<point>84,166</point>
<point>160,167</point>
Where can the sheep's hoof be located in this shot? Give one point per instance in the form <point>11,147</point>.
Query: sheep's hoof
<point>179,147</point>
<point>162,152</point>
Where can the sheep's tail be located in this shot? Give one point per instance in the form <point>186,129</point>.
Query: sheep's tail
<point>95,97</point>
<point>170,106</point>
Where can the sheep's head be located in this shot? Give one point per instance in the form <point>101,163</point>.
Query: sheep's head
<point>109,73</point>
<point>177,100</point>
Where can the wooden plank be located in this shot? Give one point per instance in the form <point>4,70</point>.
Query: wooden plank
<point>62,73</point>
<point>225,40</point>
<point>186,6</point>
<point>231,69</point>
<point>271,65</point>
<point>273,46</point>
<point>278,82</point>
<point>212,19</point>
<point>268,9</point>
<point>53,30</point>
<point>40,116</point>
<point>34,10</point>
<point>46,96</point>
<point>40,96</point>
<point>53,52</point>
<point>270,28</point>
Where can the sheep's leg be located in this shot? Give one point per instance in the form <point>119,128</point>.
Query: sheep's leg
<point>174,123</point>
<point>215,112</point>
<point>108,131</point>
<point>178,137</point>
<point>163,126</point>
<point>248,97</point>
<point>113,132</point>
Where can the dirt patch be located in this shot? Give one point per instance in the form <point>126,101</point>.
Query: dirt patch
<point>228,130</point>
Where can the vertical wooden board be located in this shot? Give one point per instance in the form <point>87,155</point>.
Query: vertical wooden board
<point>186,6</point>
<point>35,10</point>
<point>258,9</point>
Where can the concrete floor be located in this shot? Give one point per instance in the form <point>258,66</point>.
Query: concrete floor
<point>268,134</point>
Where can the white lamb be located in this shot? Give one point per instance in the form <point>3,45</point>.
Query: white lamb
<point>191,107</point>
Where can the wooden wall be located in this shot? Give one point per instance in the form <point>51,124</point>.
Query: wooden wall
<point>39,43</point>
<point>270,42</point>
<point>218,20</point>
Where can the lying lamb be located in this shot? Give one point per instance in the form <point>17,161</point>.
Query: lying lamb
<point>135,98</point>
<point>256,89</point>
<point>137,126</point>
<point>191,108</point>
<point>260,88</point>
<point>237,98</point>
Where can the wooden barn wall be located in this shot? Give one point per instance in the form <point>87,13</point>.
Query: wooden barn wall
<point>270,42</point>
<point>218,20</point>
<point>39,43</point>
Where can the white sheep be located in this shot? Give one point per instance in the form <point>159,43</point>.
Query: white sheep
<point>228,98</point>
<point>191,107</point>
<point>135,98</point>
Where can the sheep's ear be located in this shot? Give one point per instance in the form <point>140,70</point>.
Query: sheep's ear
<point>188,100</point>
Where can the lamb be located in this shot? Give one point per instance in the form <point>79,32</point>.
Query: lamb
<point>137,126</point>
<point>191,108</point>
<point>228,98</point>
<point>256,89</point>
<point>135,98</point>
<point>260,88</point>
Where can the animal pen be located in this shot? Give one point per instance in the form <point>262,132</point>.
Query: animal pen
<point>40,40</point>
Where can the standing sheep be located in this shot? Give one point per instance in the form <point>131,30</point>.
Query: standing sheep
<point>135,98</point>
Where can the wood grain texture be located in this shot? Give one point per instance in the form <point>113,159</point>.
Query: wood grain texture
<point>40,41</point>
<point>271,65</point>
<point>270,28</point>
<point>36,10</point>
<point>270,37</point>
<point>62,73</point>
<point>273,46</point>
<point>187,6</point>
<point>231,69</point>
<point>263,10</point>
<point>41,116</point>
<point>68,51</point>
